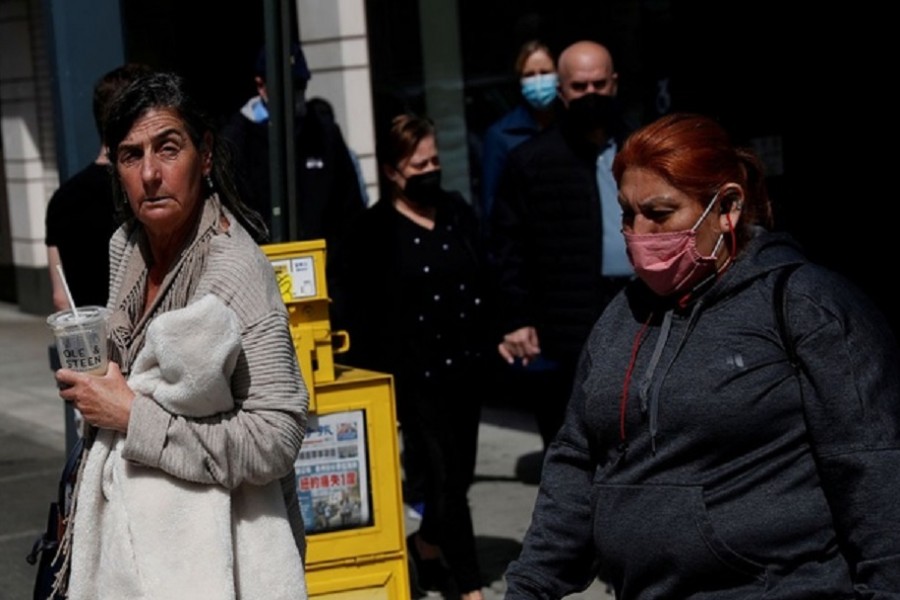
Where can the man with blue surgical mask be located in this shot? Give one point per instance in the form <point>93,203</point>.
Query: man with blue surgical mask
<point>328,193</point>
<point>536,71</point>
<point>556,230</point>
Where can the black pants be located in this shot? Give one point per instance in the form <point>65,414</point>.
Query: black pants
<point>439,424</point>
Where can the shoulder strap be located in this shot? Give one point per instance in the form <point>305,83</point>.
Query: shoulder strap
<point>780,303</point>
<point>68,473</point>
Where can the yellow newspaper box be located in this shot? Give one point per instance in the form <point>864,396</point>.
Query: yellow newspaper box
<point>348,471</point>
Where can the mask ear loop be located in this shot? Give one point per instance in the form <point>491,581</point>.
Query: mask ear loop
<point>705,212</point>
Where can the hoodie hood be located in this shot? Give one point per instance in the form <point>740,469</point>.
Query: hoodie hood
<point>764,253</point>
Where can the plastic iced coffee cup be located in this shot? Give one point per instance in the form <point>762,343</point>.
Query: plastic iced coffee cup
<point>81,338</point>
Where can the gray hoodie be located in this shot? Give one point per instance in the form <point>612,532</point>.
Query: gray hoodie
<point>692,466</point>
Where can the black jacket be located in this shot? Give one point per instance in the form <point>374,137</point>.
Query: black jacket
<point>328,193</point>
<point>546,239</point>
<point>387,307</point>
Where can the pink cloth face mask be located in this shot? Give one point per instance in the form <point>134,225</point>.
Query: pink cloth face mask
<point>670,262</point>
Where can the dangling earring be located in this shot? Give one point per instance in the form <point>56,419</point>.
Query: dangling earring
<point>209,184</point>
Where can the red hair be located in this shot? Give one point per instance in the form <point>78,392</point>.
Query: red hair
<point>695,155</point>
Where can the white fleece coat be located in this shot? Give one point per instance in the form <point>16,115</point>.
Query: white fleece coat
<point>142,533</point>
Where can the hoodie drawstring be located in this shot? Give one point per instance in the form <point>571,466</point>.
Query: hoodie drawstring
<point>647,379</point>
<point>657,383</point>
<point>623,402</point>
<point>649,392</point>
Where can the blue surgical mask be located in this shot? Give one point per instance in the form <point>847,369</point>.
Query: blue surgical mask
<point>539,90</point>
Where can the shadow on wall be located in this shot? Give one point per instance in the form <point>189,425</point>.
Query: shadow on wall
<point>7,270</point>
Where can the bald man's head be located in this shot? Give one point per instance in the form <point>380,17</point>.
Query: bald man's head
<point>586,68</point>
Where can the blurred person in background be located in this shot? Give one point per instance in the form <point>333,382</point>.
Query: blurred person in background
<point>413,290</point>
<point>535,71</point>
<point>326,111</point>
<point>81,215</point>
<point>555,232</point>
<point>328,190</point>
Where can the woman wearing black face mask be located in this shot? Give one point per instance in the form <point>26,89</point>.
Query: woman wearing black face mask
<point>411,287</point>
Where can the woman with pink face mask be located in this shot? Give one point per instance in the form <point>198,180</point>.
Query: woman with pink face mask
<point>734,425</point>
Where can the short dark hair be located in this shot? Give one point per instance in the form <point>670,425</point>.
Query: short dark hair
<point>109,85</point>
<point>406,131</point>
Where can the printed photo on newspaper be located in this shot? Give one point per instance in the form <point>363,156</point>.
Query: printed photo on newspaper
<point>332,473</point>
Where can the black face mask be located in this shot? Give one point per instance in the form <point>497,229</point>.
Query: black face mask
<point>592,112</point>
<point>424,188</point>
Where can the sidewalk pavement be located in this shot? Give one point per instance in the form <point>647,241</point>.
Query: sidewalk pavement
<point>32,448</point>
<point>32,444</point>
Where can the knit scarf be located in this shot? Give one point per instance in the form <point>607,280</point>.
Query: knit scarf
<point>128,321</point>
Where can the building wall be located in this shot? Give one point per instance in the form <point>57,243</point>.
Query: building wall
<point>29,153</point>
<point>334,38</point>
<point>7,270</point>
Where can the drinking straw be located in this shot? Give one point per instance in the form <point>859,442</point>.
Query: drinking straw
<point>62,276</point>
<point>78,324</point>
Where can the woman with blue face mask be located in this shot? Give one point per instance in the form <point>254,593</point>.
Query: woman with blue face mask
<point>536,71</point>
<point>535,68</point>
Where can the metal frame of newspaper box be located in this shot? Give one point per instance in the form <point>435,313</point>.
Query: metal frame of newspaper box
<point>348,470</point>
<point>372,553</point>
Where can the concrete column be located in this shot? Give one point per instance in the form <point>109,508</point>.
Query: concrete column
<point>50,57</point>
<point>443,82</point>
<point>29,153</point>
<point>79,57</point>
<point>334,38</point>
